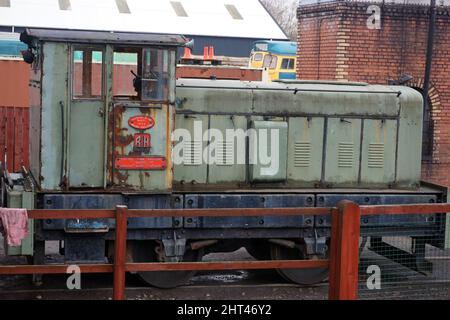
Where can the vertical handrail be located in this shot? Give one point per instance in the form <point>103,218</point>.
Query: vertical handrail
<point>344,254</point>
<point>120,247</point>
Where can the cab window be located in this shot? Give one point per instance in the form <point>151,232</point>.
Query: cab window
<point>155,74</point>
<point>87,73</point>
<point>288,64</point>
<point>125,65</point>
<point>257,57</point>
<point>270,61</point>
<point>141,73</point>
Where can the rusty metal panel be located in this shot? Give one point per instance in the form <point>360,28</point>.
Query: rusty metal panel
<point>305,150</point>
<point>219,73</point>
<point>343,151</point>
<point>141,153</point>
<point>409,138</point>
<point>54,91</point>
<point>192,170</point>
<point>86,144</point>
<point>272,136</point>
<point>226,168</point>
<point>378,152</point>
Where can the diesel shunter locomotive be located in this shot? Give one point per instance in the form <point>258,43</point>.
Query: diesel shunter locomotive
<point>104,133</point>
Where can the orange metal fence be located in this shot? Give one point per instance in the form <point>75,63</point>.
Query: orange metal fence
<point>342,263</point>
<point>14,137</point>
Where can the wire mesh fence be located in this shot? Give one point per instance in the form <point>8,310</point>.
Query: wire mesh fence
<point>404,257</point>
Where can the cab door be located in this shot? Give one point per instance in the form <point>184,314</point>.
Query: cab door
<point>271,64</point>
<point>86,133</point>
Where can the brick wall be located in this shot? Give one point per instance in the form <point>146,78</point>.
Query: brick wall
<point>336,44</point>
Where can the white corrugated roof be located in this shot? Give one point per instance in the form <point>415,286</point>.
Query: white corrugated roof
<point>204,17</point>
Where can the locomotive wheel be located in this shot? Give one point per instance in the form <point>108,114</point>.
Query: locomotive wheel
<point>146,251</point>
<point>299,276</point>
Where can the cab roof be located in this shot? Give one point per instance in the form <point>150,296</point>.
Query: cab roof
<point>101,37</point>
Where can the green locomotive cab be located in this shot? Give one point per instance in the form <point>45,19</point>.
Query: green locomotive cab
<point>103,109</point>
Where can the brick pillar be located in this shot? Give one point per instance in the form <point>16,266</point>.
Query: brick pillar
<point>336,44</point>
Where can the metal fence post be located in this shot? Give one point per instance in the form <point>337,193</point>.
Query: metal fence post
<point>344,256</point>
<point>120,247</point>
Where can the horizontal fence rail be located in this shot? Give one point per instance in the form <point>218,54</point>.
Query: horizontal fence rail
<point>405,209</point>
<point>342,264</point>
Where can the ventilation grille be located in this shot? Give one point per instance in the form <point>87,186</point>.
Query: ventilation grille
<point>346,155</point>
<point>302,154</point>
<point>225,152</point>
<point>376,155</point>
<point>192,153</point>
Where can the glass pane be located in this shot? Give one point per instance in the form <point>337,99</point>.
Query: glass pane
<point>267,60</point>
<point>288,64</point>
<point>292,64</point>
<point>87,76</point>
<point>125,64</point>
<point>77,82</point>
<point>155,67</point>
<point>261,47</point>
<point>273,63</point>
<point>258,57</point>
<point>97,74</point>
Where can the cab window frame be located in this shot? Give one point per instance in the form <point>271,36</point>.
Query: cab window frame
<point>272,64</point>
<point>140,50</point>
<point>290,64</point>
<point>85,48</point>
<point>258,54</point>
